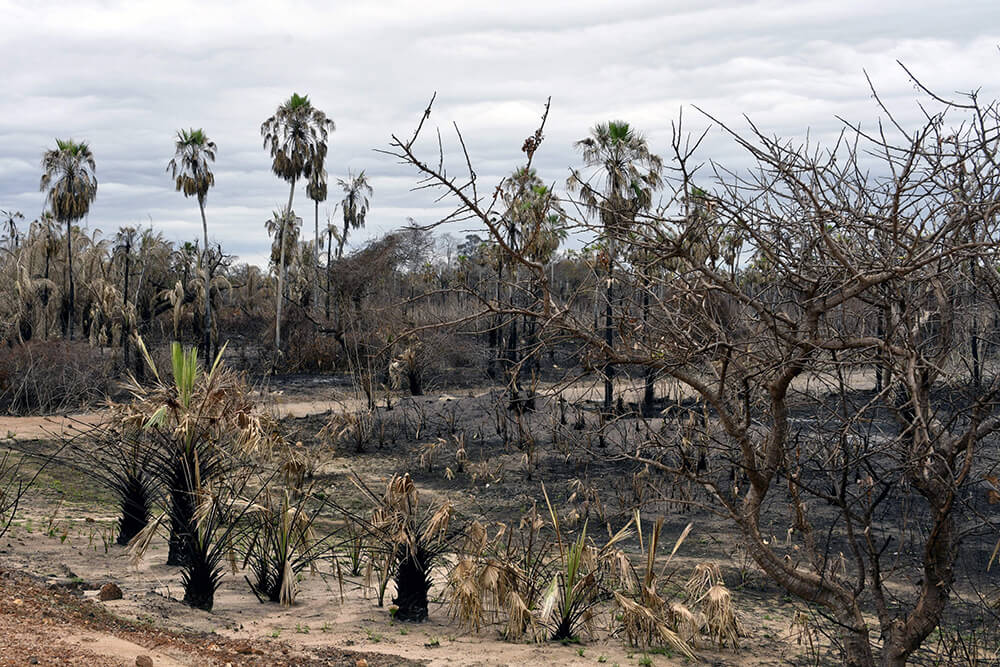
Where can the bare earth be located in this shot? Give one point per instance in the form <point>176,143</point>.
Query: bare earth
<point>60,552</point>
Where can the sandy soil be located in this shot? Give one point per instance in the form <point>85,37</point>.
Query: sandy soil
<point>64,535</point>
<point>50,624</point>
<point>157,624</point>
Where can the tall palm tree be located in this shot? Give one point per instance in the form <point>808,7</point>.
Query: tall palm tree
<point>69,180</point>
<point>192,175</point>
<point>296,137</point>
<point>618,157</point>
<point>49,245</point>
<point>125,245</point>
<point>357,199</point>
<point>10,219</point>
<point>533,224</point>
<point>317,191</point>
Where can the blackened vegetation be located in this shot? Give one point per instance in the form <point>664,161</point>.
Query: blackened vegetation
<point>797,281</point>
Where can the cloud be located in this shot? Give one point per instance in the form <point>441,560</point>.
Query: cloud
<point>125,76</point>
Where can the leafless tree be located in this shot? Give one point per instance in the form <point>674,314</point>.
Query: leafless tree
<point>770,297</point>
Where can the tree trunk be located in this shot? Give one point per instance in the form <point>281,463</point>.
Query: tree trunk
<point>69,261</point>
<point>494,342</point>
<point>649,391</point>
<point>208,286</point>
<point>857,646</point>
<point>881,381</point>
<point>609,370</point>
<point>45,297</point>
<point>281,274</point>
<point>315,303</point>
<point>329,250</point>
<point>903,637</point>
<point>977,368</point>
<point>512,365</point>
<point>125,332</point>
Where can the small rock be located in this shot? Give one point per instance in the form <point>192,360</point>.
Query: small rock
<point>143,660</point>
<point>361,663</point>
<point>110,591</point>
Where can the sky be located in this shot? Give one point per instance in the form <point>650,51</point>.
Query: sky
<point>125,76</point>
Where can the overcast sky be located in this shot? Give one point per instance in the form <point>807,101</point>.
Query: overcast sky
<point>126,75</point>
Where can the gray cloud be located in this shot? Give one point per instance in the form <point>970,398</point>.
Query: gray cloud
<point>125,76</point>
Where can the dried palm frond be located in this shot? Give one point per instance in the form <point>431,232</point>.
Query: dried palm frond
<point>436,528</point>
<point>704,576</point>
<point>466,597</point>
<point>282,544</point>
<point>356,428</point>
<point>721,620</point>
<point>643,627</point>
<point>409,540</point>
<point>520,620</point>
<point>688,623</point>
<point>427,453</point>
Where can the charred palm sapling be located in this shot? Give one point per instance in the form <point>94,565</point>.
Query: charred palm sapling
<point>218,525</point>
<point>410,539</point>
<point>121,457</point>
<point>198,424</point>
<point>584,577</point>
<point>647,618</point>
<point>502,578</point>
<point>281,542</point>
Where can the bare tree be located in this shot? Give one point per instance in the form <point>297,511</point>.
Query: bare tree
<point>761,290</point>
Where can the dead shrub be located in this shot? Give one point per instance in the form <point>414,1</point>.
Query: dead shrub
<point>44,377</point>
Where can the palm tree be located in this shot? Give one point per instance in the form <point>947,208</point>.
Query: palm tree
<point>69,180</point>
<point>618,155</point>
<point>533,224</point>
<point>296,137</point>
<point>285,230</point>
<point>10,219</point>
<point>317,191</point>
<point>49,243</point>
<point>357,200</point>
<point>125,244</point>
<point>193,176</point>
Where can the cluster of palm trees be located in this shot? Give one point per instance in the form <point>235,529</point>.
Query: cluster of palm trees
<point>296,137</point>
<point>616,183</point>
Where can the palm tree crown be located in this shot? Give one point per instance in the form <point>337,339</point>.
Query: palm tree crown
<point>69,179</point>
<point>357,199</point>
<point>316,188</point>
<point>534,216</point>
<point>189,168</point>
<point>631,172</point>
<point>296,137</point>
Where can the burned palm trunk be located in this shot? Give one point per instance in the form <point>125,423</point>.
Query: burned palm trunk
<point>414,379</point>
<point>199,588</point>
<point>181,524</point>
<point>494,334</point>
<point>609,335</point>
<point>136,505</point>
<point>649,373</point>
<point>512,368</point>
<point>125,331</point>
<point>413,581</point>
